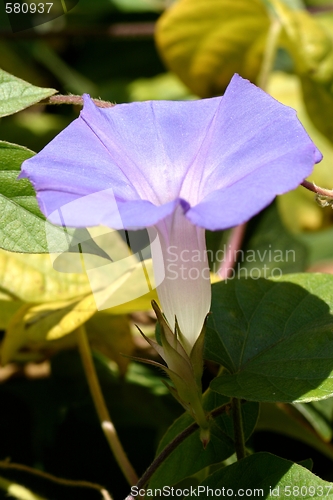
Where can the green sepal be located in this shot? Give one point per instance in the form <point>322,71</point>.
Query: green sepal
<point>173,352</point>
<point>170,337</point>
<point>184,371</point>
<point>196,356</point>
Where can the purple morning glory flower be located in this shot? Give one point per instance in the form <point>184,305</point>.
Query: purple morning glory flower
<point>180,168</point>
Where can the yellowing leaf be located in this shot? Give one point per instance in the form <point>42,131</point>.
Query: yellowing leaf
<point>31,278</point>
<point>310,42</point>
<point>306,214</point>
<point>111,335</point>
<point>135,286</point>
<point>206,41</point>
<point>8,308</point>
<point>15,490</point>
<point>32,325</point>
<point>38,331</point>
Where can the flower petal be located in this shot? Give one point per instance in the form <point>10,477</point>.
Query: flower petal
<point>75,162</point>
<point>154,143</point>
<point>238,202</point>
<point>253,137</point>
<point>205,154</point>
<point>142,150</point>
<point>101,207</point>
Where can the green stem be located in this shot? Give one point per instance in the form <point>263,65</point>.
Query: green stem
<point>101,408</point>
<point>270,52</point>
<point>238,428</point>
<point>166,452</point>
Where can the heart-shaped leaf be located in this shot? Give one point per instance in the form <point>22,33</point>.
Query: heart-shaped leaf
<point>275,338</point>
<point>267,476</point>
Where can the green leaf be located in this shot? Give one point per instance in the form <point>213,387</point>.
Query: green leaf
<point>307,464</point>
<point>275,338</point>
<point>319,245</point>
<point>32,326</point>
<point>22,225</point>
<point>16,94</point>
<point>268,476</point>
<point>221,446</point>
<point>205,42</point>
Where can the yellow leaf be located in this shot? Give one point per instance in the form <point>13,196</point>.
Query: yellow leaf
<point>135,286</point>
<point>32,325</point>
<point>206,41</point>
<point>15,490</point>
<point>307,40</point>
<point>125,280</point>
<point>111,335</point>
<point>306,214</point>
<point>8,308</point>
<point>31,278</point>
<point>310,42</point>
